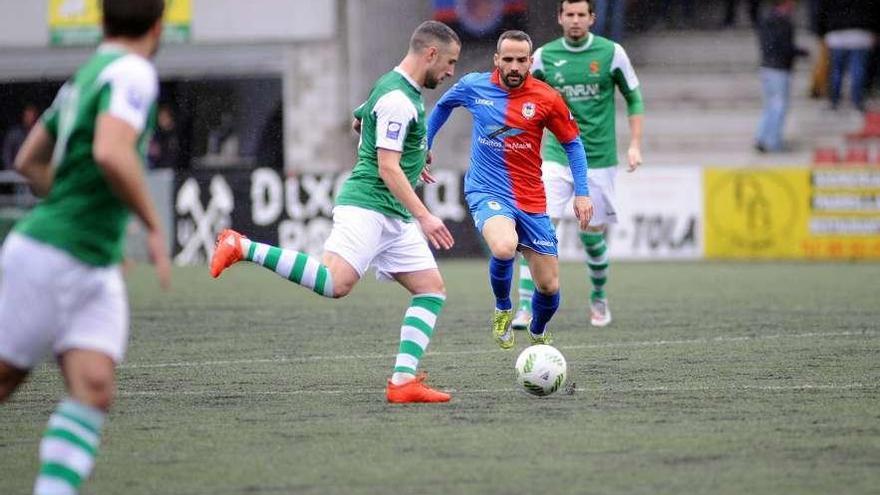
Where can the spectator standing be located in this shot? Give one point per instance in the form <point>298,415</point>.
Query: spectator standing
<point>778,52</point>
<point>849,28</point>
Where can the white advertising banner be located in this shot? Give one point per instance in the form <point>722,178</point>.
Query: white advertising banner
<point>659,214</point>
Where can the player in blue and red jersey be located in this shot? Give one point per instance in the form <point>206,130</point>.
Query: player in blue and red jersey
<point>503,185</point>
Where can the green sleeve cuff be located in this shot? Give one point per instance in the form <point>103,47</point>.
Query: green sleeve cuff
<point>634,103</point>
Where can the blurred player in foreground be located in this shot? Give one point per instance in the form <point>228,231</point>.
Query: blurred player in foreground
<point>62,287</point>
<point>373,218</point>
<point>503,187</point>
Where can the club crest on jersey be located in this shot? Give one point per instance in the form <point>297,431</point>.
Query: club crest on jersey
<point>528,110</point>
<point>594,67</point>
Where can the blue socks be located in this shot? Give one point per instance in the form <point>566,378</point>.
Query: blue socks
<point>501,277</point>
<point>543,308</point>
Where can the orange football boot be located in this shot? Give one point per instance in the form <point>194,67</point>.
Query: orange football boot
<point>414,391</point>
<point>227,251</point>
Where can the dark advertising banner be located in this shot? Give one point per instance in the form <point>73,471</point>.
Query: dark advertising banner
<point>294,212</point>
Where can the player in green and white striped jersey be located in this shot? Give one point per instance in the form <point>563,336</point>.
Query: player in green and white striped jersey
<point>62,287</point>
<point>586,69</point>
<point>379,220</point>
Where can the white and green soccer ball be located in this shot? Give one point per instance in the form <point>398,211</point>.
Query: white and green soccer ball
<point>541,370</point>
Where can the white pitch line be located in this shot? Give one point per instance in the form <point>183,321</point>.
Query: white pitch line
<point>492,350</point>
<point>807,387</point>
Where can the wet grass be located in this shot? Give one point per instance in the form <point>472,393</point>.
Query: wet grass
<point>714,378</point>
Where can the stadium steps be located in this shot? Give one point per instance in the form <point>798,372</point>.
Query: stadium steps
<point>703,101</point>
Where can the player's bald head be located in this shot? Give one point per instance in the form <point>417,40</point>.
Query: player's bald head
<point>432,33</point>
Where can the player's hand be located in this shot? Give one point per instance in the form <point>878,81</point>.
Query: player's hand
<point>635,158</point>
<point>426,175</point>
<point>436,232</point>
<point>158,251</point>
<point>356,125</point>
<point>583,210</point>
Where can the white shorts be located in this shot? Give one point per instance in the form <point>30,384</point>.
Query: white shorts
<point>51,300</point>
<point>559,184</point>
<point>367,238</point>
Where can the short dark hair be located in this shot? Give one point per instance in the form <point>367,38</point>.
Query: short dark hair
<point>589,4</point>
<point>430,32</point>
<point>130,18</point>
<point>515,35</point>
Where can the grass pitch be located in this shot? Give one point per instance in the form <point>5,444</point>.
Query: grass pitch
<point>714,378</point>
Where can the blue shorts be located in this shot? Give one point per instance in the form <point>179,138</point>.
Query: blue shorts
<point>535,230</point>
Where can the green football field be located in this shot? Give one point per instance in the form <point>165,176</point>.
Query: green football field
<point>759,378</point>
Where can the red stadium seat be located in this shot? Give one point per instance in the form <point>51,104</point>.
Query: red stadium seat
<point>826,156</point>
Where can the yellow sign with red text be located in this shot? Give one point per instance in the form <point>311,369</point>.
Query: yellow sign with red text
<point>792,213</point>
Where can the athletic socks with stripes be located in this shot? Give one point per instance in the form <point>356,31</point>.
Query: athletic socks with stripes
<point>597,261</point>
<point>415,334</point>
<point>68,448</point>
<point>299,268</point>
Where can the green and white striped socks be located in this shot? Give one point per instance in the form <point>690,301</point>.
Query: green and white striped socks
<point>299,268</point>
<point>68,448</point>
<point>415,334</point>
<point>526,284</point>
<point>597,261</point>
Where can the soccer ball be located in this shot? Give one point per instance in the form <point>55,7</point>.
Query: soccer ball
<point>541,370</point>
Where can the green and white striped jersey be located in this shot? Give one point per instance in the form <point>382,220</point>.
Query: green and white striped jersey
<point>81,214</point>
<point>586,77</point>
<point>392,118</point>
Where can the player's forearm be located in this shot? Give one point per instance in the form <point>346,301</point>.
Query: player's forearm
<point>396,182</point>
<point>577,160</point>
<point>123,171</point>
<point>438,117</point>
<point>34,160</point>
<point>635,130</point>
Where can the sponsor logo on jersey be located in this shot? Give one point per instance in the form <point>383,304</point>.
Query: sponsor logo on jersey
<point>494,205</point>
<point>528,110</point>
<point>484,101</point>
<point>560,63</point>
<point>502,132</point>
<point>393,130</point>
<point>580,91</point>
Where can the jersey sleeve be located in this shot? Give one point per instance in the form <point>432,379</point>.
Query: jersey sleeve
<point>626,80</point>
<point>358,112</point>
<point>130,88</point>
<point>538,64</point>
<point>455,96</point>
<point>394,112</point>
<point>561,122</point>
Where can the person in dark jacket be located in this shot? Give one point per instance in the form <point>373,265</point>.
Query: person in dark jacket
<point>850,30</point>
<point>778,52</point>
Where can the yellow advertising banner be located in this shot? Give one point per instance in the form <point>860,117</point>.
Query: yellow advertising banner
<point>756,213</point>
<point>792,213</point>
<point>78,22</point>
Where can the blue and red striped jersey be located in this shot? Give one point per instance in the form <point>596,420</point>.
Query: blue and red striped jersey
<point>507,131</point>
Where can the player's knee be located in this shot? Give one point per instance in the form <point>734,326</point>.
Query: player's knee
<point>503,250</point>
<point>96,389</point>
<point>550,286</point>
<point>342,290</point>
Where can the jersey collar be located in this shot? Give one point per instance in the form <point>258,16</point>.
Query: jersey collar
<point>581,48</point>
<point>409,79</point>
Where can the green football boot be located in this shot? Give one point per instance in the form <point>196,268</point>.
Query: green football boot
<point>501,331</point>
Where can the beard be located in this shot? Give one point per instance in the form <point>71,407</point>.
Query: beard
<point>431,81</point>
<point>513,80</point>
